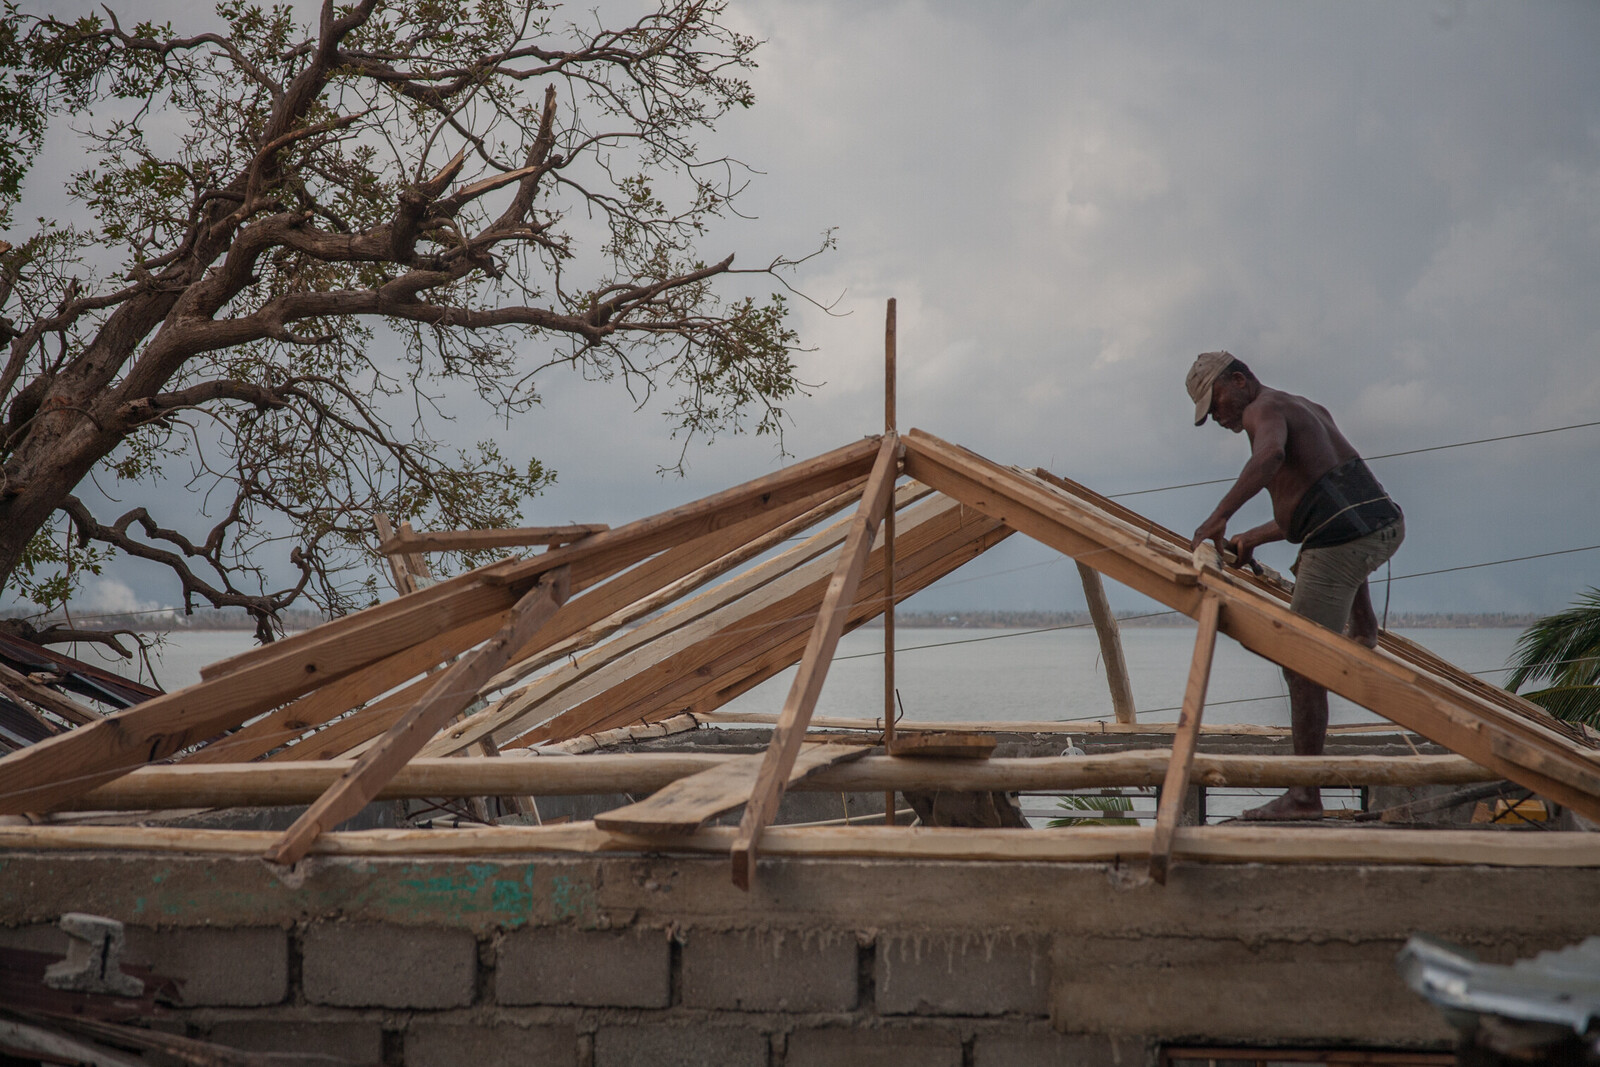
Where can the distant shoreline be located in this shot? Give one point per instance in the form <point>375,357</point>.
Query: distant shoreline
<point>1032,620</point>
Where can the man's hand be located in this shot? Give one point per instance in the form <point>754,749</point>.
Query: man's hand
<point>1214,529</point>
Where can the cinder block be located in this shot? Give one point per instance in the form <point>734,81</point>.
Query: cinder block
<point>769,970</point>
<point>449,1045</point>
<point>357,1042</point>
<point>242,966</point>
<point>962,974</point>
<point>594,968</point>
<point>362,965</point>
<point>680,1046</point>
<point>888,1047</point>
<point>1050,1049</point>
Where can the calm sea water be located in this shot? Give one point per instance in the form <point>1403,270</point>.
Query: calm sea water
<point>945,675</point>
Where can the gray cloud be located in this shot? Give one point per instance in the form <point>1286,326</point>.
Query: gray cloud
<point>1393,209</point>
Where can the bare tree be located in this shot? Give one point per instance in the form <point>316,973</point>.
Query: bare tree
<point>293,239</point>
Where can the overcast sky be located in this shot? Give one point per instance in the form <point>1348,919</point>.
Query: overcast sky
<point>1393,209</point>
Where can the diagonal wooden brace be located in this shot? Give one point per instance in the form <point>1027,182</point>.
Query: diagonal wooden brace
<point>1184,739</point>
<point>454,690</point>
<point>796,715</point>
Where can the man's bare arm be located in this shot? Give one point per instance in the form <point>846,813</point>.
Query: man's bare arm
<point>1269,436</point>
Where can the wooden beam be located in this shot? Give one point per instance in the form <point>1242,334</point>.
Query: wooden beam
<point>889,426</point>
<point>398,574</point>
<point>1032,506</point>
<point>639,684</point>
<point>483,540</point>
<point>585,617</point>
<point>688,803</point>
<point>790,730</point>
<point>762,644</point>
<point>445,698</point>
<point>47,698</point>
<point>1176,785</point>
<point>1087,844</point>
<point>187,785</point>
<point>628,653</point>
<point>1105,628</point>
<point>1092,727</point>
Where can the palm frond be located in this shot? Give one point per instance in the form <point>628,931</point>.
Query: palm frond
<point>1104,802</point>
<point>1562,649</point>
<point>1573,703</point>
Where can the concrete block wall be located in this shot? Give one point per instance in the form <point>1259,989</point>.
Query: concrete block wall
<point>653,959</point>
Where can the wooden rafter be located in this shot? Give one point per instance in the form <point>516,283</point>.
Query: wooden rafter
<point>233,691</point>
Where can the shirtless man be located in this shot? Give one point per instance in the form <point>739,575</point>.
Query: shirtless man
<point>1325,500</point>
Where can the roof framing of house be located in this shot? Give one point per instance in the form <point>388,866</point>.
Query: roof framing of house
<point>388,690</point>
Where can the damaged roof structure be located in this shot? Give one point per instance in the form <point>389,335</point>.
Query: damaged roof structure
<point>456,687</point>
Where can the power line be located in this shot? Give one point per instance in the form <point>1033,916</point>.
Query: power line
<point>1385,455</point>
<point>1495,562</point>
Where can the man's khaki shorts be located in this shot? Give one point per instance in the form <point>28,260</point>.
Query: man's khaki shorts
<point>1326,580</point>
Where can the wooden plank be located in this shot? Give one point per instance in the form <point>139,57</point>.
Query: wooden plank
<point>779,652</point>
<point>1105,628</point>
<point>943,744</point>
<point>686,804</point>
<point>258,784</point>
<point>655,640</point>
<point>397,568</point>
<point>484,540</point>
<point>446,697</point>
<point>787,735</point>
<point>584,616</point>
<point>47,698</point>
<point>738,545</point>
<point>1088,844</point>
<point>889,426</point>
<point>767,642</point>
<point>44,774</point>
<point>1089,727</point>
<point>270,784</point>
<point>777,605</point>
<point>1176,784</point>
<point>1046,517</point>
<point>640,539</point>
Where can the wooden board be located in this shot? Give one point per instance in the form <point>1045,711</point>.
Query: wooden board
<point>656,640</point>
<point>687,803</point>
<point>787,735</point>
<point>671,683</point>
<point>483,540</point>
<point>1175,787</point>
<point>1086,844</point>
<point>445,698</point>
<point>943,744</point>
<point>188,785</point>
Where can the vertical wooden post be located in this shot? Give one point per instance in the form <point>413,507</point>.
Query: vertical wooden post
<point>397,567</point>
<point>1105,627</point>
<point>889,427</point>
<point>1184,738</point>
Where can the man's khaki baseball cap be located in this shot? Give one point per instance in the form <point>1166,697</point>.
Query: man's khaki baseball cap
<point>1208,367</point>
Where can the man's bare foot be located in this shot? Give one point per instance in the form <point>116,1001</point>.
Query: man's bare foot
<point>1291,806</point>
